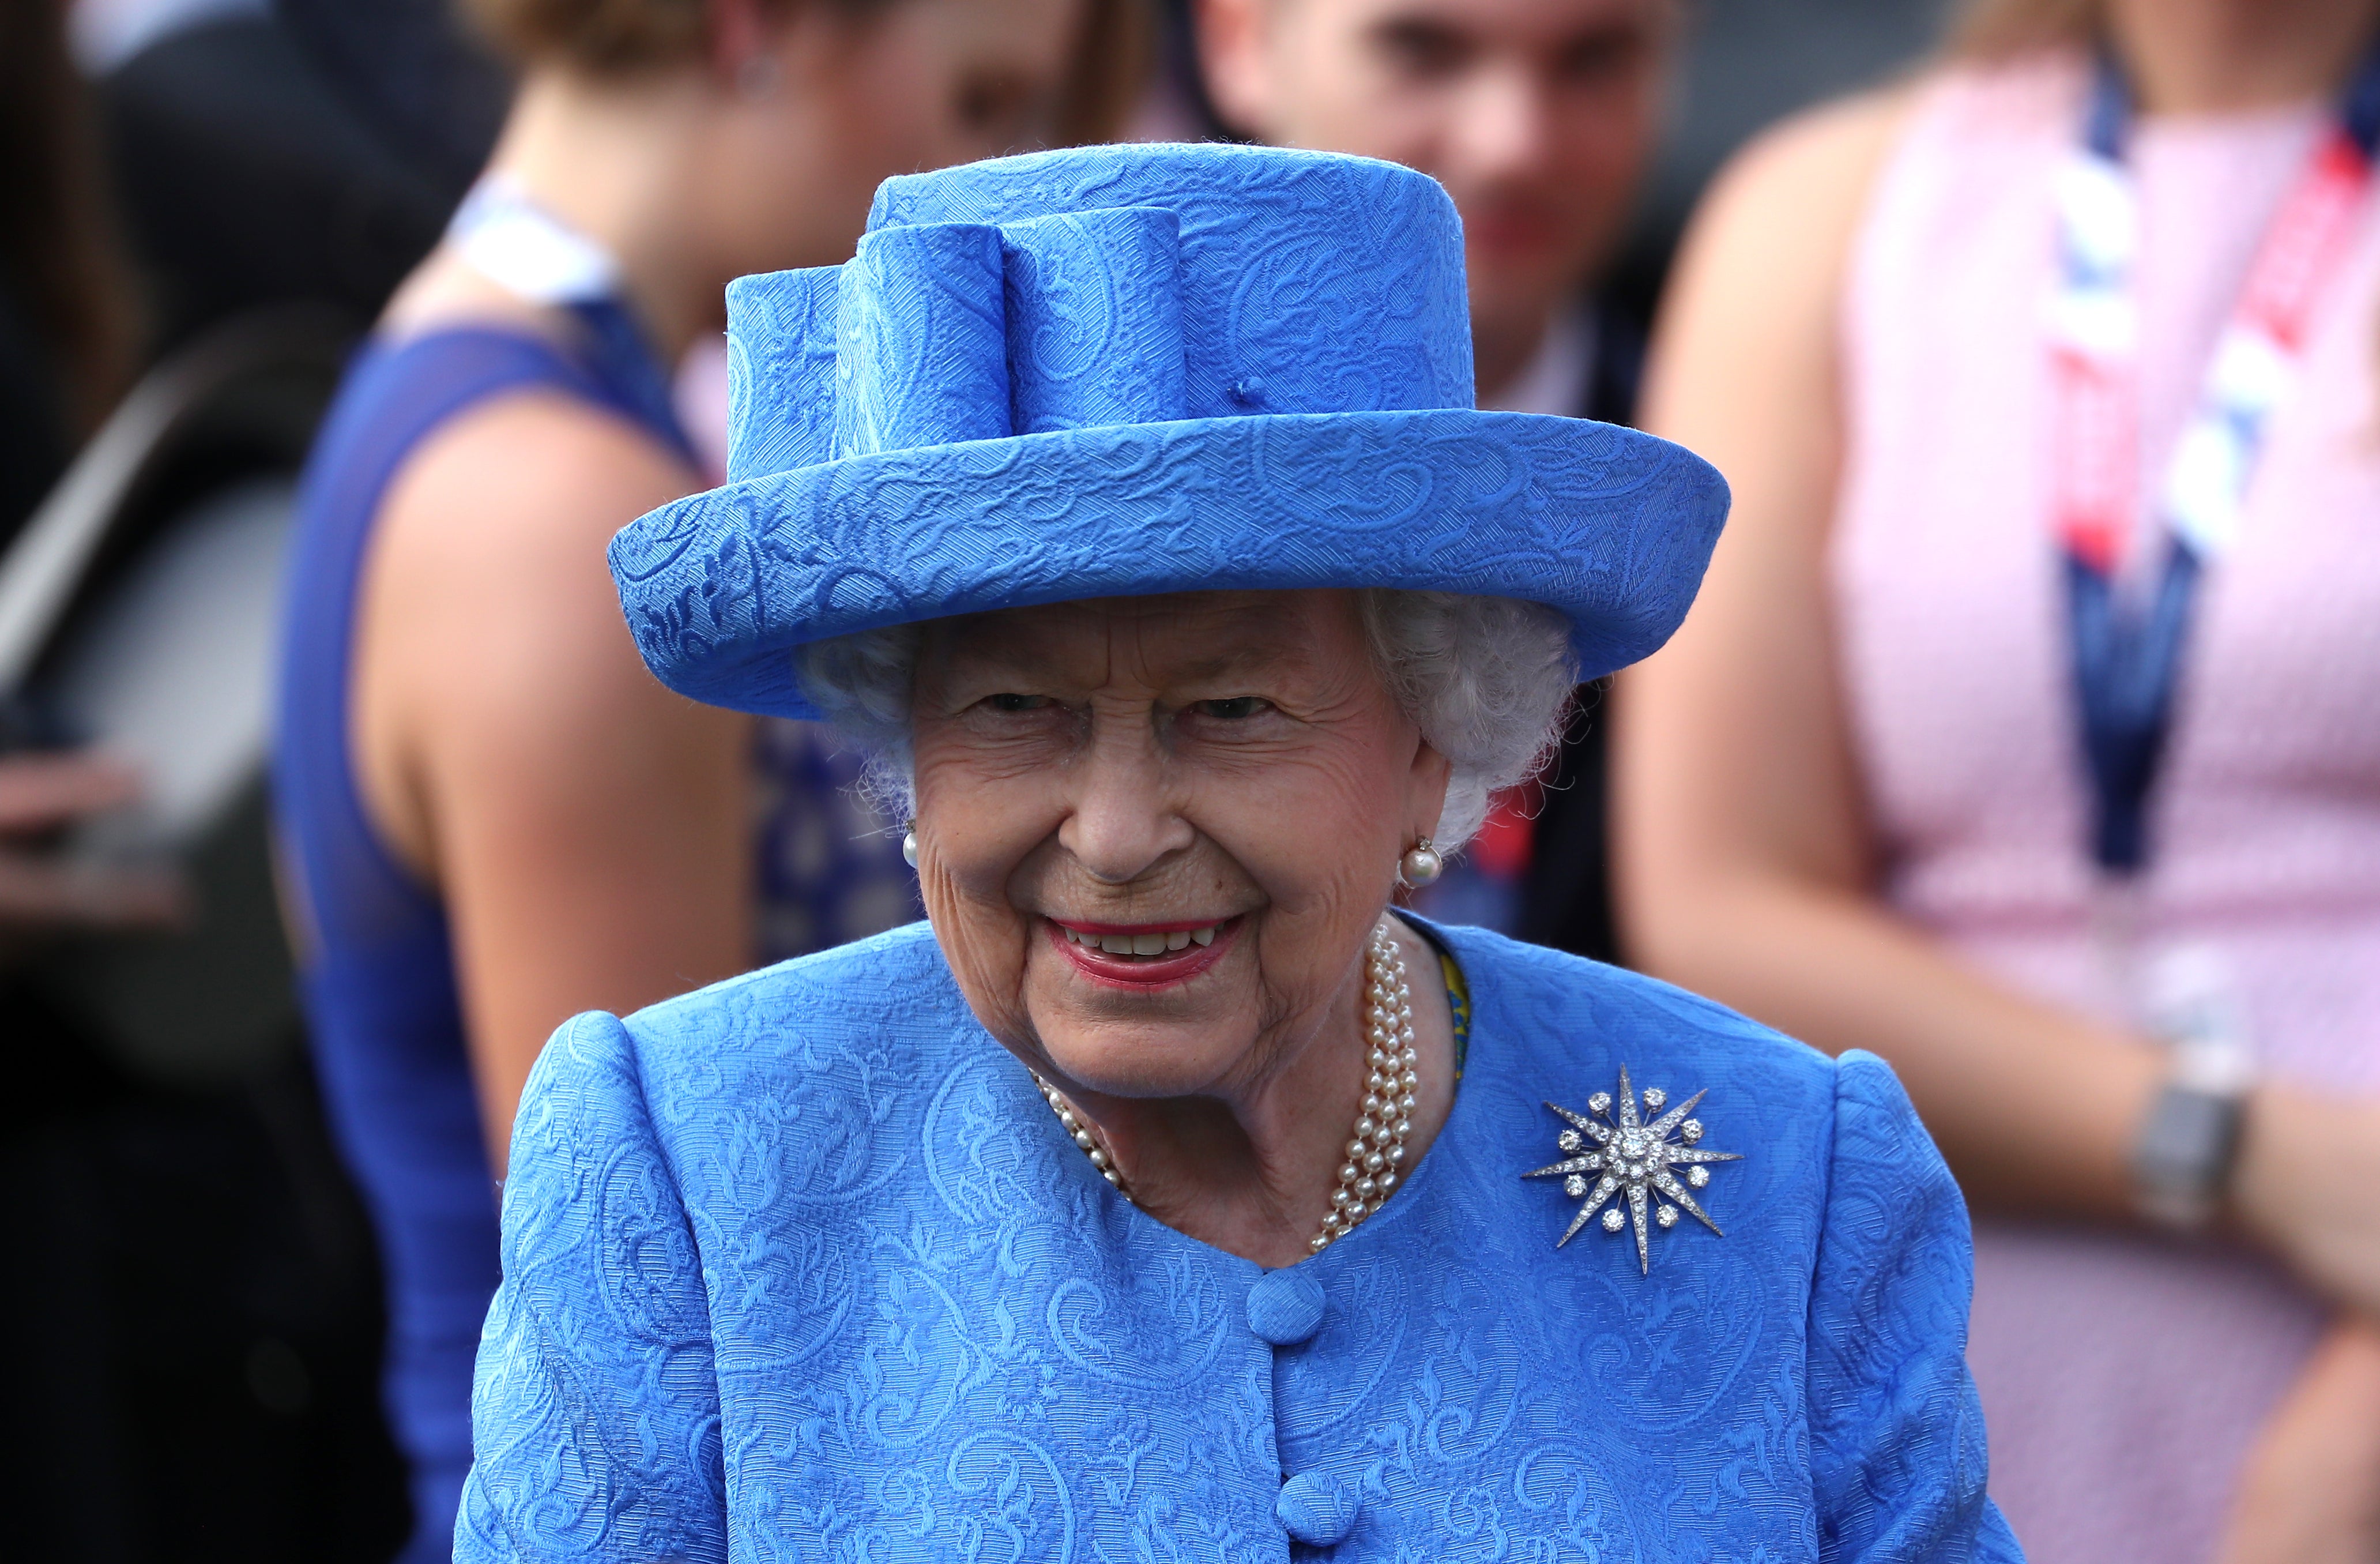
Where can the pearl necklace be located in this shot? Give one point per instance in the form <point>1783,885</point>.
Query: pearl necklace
<point>1376,1150</point>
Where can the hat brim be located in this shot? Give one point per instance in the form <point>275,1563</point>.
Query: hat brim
<point>1611,527</point>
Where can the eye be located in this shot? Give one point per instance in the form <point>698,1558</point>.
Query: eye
<point>1237,708</point>
<point>1424,50</point>
<point>1604,56</point>
<point>1007,702</point>
<point>1001,107</point>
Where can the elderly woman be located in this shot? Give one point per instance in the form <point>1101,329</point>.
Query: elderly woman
<point>1168,1195</point>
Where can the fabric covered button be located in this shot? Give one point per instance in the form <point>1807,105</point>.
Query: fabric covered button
<point>1316,1511</point>
<point>1286,1307</point>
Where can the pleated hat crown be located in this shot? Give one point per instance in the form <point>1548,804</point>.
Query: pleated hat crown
<point>1125,286</point>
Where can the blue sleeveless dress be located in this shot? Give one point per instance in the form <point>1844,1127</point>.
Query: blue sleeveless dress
<point>377,967</point>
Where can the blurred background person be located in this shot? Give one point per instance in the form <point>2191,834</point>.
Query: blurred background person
<point>1541,118</point>
<point>191,1302</point>
<point>2023,730</point>
<point>1740,66</point>
<point>493,817</point>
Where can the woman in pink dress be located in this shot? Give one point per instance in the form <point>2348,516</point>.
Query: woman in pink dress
<point>1955,348</point>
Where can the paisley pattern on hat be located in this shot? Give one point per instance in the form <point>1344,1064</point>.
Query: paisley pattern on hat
<point>1127,370</point>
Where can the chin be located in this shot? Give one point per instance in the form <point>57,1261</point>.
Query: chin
<point>1145,1060</point>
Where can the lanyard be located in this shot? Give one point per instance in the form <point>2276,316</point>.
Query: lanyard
<point>2127,655</point>
<point>529,251</point>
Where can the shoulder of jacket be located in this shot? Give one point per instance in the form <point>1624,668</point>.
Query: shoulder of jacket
<point>893,985</point>
<point>1585,1015</point>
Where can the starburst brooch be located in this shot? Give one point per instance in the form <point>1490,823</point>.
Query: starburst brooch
<point>1637,1156</point>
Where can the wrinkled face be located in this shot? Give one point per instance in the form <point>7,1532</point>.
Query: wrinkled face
<point>1154,833</point>
<point>1539,117</point>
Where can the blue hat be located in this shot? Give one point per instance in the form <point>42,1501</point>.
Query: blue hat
<point>1115,371</point>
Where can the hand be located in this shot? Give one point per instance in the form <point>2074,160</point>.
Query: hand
<point>2310,1493</point>
<point>40,888</point>
<point>2307,1185</point>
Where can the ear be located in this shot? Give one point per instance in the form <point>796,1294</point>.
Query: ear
<point>1426,788</point>
<point>1235,42</point>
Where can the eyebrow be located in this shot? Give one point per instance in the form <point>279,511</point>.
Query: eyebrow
<point>1432,29</point>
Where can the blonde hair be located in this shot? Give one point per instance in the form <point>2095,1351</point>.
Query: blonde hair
<point>621,37</point>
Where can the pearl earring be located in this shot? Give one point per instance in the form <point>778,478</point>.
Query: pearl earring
<point>910,844</point>
<point>1421,865</point>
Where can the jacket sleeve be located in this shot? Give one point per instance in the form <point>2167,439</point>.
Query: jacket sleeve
<point>594,1406</point>
<point>1897,1435</point>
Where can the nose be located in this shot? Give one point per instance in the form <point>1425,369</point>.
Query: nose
<point>1125,819</point>
<point>1502,128</point>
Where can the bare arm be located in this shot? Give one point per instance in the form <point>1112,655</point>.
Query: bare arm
<point>586,828</point>
<point>2310,1493</point>
<point>1744,860</point>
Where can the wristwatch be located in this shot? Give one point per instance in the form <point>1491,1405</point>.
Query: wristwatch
<point>2183,1161</point>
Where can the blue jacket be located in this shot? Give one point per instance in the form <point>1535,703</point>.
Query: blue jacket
<point>801,1267</point>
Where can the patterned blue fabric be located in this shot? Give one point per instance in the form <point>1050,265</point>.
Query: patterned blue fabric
<point>801,1267</point>
<point>1112,370</point>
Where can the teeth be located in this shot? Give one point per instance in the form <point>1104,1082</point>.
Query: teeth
<point>1144,944</point>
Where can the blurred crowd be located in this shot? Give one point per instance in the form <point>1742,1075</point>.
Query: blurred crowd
<point>2027,732</point>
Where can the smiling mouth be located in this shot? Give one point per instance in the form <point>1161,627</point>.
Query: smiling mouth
<point>1143,956</point>
<point>1143,942</point>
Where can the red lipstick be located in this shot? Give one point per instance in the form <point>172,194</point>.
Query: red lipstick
<point>1141,973</point>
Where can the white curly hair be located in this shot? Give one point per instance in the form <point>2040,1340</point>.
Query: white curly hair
<point>1487,679</point>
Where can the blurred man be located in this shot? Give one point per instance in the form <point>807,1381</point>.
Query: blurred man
<point>1540,117</point>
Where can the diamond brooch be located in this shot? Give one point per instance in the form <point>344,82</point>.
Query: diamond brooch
<point>1635,1158</point>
